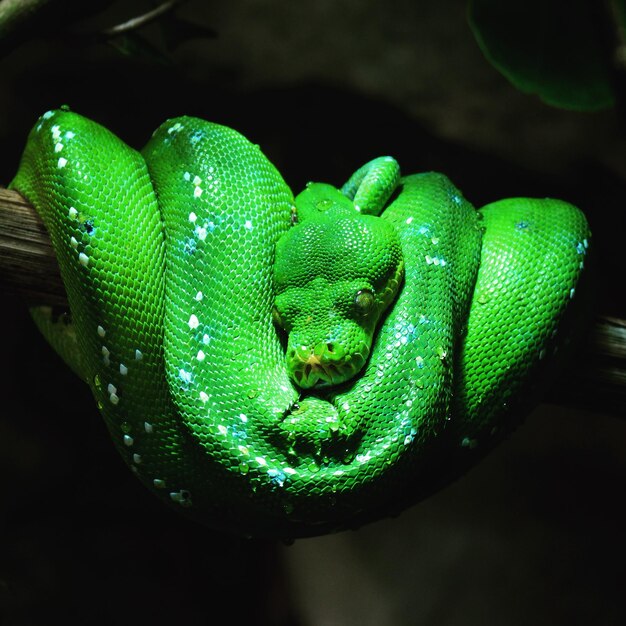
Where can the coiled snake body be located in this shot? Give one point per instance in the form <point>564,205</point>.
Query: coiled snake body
<point>281,367</point>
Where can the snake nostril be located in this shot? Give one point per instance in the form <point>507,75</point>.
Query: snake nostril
<point>330,347</point>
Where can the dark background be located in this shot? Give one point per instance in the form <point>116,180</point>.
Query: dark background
<point>533,535</point>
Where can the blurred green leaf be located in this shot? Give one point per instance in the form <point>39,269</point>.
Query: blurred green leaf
<point>560,50</point>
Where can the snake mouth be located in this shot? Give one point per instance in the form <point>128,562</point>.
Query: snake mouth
<point>324,365</point>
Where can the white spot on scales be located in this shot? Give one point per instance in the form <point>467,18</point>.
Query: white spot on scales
<point>193,322</point>
<point>112,390</point>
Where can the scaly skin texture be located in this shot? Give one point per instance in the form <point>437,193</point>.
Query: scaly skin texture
<point>285,368</point>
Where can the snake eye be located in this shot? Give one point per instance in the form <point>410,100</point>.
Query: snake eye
<point>364,301</point>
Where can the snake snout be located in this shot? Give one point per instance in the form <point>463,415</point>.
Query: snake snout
<point>325,363</point>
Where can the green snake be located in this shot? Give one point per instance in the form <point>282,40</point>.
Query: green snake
<point>285,367</point>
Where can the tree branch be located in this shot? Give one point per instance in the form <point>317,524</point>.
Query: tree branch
<point>28,265</point>
<point>595,379</point>
<point>141,20</point>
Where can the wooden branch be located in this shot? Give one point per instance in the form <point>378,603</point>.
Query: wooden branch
<point>28,265</point>
<point>595,378</point>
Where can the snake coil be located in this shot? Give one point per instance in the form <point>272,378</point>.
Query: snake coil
<point>288,367</point>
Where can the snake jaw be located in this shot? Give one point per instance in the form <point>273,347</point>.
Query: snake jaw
<point>325,364</point>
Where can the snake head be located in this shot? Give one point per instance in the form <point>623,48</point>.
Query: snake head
<point>335,273</point>
<point>330,327</point>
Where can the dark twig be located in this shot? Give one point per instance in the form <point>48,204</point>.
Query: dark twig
<point>142,20</point>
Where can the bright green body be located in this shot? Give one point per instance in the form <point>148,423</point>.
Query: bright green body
<point>168,258</point>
